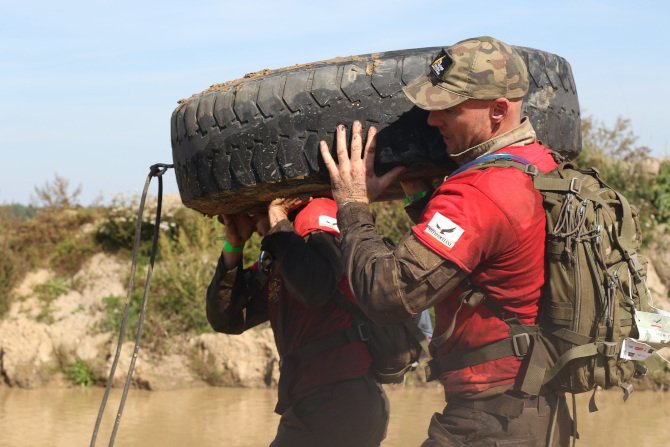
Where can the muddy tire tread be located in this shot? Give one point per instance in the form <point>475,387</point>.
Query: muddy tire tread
<point>265,130</point>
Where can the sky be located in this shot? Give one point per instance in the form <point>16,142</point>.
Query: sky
<point>87,88</point>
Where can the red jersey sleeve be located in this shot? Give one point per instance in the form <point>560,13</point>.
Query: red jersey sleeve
<point>463,225</point>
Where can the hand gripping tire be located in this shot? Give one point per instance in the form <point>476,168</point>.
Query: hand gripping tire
<point>238,145</point>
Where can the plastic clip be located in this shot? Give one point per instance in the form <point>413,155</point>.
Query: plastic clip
<point>521,344</point>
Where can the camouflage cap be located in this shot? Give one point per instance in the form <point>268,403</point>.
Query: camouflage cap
<point>477,68</point>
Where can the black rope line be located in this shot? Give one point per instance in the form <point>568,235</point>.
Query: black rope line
<point>157,170</point>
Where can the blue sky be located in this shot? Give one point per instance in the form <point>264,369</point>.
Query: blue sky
<point>87,87</point>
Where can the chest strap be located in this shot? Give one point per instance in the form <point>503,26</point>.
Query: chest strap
<point>523,342</point>
<point>518,345</point>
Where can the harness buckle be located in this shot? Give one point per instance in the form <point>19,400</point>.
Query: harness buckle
<point>363,332</point>
<point>608,348</point>
<point>265,261</point>
<point>521,344</point>
<point>531,170</point>
<point>575,185</point>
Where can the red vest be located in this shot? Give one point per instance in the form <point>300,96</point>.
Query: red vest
<point>295,325</point>
<point>491,224</point>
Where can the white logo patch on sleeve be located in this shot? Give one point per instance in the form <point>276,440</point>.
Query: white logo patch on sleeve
<point>328,222</point>
<point>444,230</point>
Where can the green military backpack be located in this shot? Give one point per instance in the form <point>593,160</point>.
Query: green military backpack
<point>595,295</point>
<point>595,280</point>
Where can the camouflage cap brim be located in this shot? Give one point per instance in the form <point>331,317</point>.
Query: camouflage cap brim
<point>428,95</point>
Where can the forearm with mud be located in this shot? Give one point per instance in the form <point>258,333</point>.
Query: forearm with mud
<point>228,295</point>
<point>391,284</point>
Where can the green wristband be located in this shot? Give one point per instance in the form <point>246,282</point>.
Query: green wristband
<point>230,249</point>
<point>414,197</point>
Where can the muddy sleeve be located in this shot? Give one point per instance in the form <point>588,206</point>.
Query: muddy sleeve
<point>391,283</point>
<point>311,267</point>
<point>235,300</point>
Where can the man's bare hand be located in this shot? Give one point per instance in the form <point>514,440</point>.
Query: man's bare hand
<point>354,179</point>
<point>238,227</point>
<point>279,209</point>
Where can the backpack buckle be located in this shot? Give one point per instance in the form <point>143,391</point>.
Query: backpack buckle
<point>521,344</point>
<point>575,185</point>
<point>363,332</point>
<point>634,265</point>
<point>608,348</point>
<point>531,170</point>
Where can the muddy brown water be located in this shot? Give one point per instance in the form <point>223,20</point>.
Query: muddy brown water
<point>243,417</point>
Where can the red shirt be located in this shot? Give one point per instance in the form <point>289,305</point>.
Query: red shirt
<point>491,224</point>
<point>296,325</point>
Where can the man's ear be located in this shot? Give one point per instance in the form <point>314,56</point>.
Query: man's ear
<point>499,110</point>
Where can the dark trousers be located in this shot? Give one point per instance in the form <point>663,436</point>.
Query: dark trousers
<point>350,413</point>
<point>464,423</point>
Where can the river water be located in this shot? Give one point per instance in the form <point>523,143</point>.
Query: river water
<point>243,417</point>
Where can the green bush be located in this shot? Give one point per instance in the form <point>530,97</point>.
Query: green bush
<point>186,267</point>
<point>186,258</point>
<point>18,211</point>
<point>185,264</point>
<point>391,220</point>
<point>52,289</point>
<point>8,278</point>
<point>117,231</point>
<point>70,254</point>
<point>113,315</point>
<point>79,373</point>
<point>628,169</point>
<point>53,238</point>
<point>47,292</point>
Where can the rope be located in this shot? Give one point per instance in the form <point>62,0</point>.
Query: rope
<point>156,170</point>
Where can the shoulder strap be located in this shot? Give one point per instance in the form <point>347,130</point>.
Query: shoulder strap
<point>499,160</point>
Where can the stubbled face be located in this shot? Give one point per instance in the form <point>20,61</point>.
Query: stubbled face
<point>464,125</point>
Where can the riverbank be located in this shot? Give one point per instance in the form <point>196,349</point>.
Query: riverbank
<point>62,342</point>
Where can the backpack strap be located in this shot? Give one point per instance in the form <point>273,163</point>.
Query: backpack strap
<point>522,339</point>
<point>521,343</point>
<point>517,345</point>
<point>471,298</point>
<point>499,159</point>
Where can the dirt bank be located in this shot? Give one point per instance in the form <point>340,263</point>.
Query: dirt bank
<point>47,343</point>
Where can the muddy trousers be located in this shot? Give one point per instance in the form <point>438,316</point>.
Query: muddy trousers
<point>350,413</point>
<point>463,423</point>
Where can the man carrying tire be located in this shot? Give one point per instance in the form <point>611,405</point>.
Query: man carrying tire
<point>326,394</point>
<point>476,252</point>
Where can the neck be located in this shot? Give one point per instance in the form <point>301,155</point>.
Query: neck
<point>521,135</point>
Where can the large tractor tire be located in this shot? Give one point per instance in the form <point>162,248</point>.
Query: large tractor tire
<point>238,145</point>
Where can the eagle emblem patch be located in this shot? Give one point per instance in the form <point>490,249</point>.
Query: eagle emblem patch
<point>444,230</point>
